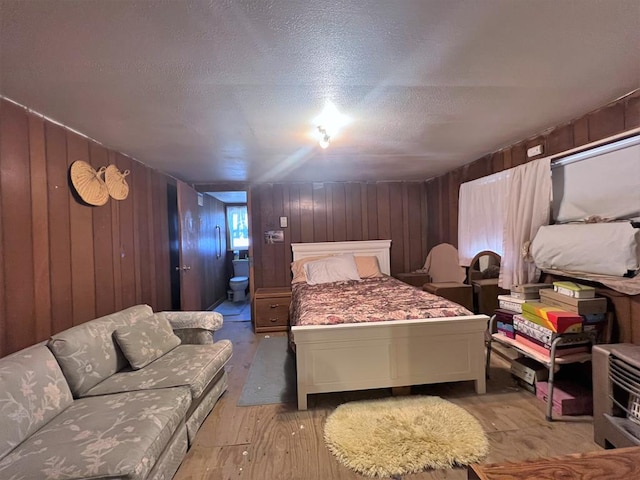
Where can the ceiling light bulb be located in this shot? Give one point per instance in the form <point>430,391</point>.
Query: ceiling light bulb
<point>324,137</point>
<point>328,124</point>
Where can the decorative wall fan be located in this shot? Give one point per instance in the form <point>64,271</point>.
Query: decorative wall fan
<point>89,183</point>
<point>92,188</point>
<point>117,185</point>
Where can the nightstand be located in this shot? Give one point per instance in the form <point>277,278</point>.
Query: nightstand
<point>486,291</point>
<point>414,278</point>
<point>271,309</point>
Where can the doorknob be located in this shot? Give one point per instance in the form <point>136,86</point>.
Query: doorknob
<point>186,268</point>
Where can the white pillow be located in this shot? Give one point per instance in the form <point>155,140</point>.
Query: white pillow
<point>332,269</point>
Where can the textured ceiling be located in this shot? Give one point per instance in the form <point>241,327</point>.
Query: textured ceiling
<point>225,90</point>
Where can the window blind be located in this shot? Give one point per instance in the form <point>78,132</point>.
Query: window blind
<point>600,182</point>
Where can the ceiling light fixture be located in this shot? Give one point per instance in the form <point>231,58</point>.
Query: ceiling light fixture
<point>328,124</point>
<point>324,137</point>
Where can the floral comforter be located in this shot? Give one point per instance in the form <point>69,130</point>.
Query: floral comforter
<point>370,300</point>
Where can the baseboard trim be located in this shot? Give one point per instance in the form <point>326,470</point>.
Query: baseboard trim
<point>215,304</point>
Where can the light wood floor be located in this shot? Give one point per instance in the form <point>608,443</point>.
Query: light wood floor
<point>270,442</point>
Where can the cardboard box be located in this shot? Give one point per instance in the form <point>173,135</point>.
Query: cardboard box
<point>599,330</point>
<point>552,317</point>
<point>539,347</point>
<point>530,287</point>
<point>594,318</point>
<point>525,295</point>
<point>529,370</point>
<point>581,306</point>
<point>504,322</point>
<point>505,315</point>
<point>573,289</point>
<point>507,302</point>
<point>522,324</point>
<point>524,385</point>
<point>506,329</point>
<point>568,398</point>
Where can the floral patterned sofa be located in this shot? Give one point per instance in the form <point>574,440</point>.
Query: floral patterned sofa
<point>119,397</point>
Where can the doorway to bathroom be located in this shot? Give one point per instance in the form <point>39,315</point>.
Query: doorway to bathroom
<point>184,247</point>
<point>230,274</point>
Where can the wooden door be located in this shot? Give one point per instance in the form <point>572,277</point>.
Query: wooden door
<point>189,267</point>
<point>252,276</point>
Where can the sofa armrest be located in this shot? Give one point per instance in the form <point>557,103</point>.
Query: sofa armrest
<point>194,327</point>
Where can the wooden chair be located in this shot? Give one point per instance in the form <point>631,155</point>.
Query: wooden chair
<point>484,270</point>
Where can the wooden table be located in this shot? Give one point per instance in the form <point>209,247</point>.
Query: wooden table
<point>617,464</point>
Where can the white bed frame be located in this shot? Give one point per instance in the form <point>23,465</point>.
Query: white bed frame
<point>336,358</point>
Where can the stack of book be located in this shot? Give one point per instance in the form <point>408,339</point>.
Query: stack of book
<point>581,300</point>
<point>574,290</point>
<point>535,314</point>
<point>528,292</point>
<point>539,325</point>
<point>504,322</point>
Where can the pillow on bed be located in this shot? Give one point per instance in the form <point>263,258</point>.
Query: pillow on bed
<point>368,267</point>
<point>332,269</point>
<point>297,268</point>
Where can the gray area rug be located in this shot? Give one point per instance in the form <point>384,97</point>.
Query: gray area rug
<point>272,376</point>
<point>232,309</point>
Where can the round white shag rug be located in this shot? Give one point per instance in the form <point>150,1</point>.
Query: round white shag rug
<point>401,435</point>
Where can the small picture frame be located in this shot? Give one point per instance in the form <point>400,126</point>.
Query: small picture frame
<point>273,236</point>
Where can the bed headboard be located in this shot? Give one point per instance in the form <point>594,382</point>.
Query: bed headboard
<point>379,248</point>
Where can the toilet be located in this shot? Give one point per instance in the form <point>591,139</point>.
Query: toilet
<point>240,280</point>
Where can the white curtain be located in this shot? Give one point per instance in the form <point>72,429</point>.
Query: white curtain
<point>481,215</point>
<point>528,203</point>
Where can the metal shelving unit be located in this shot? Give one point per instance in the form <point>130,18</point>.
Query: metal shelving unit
<point>552,361</point>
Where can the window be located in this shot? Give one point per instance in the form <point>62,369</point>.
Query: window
<point>502,213</point>
<point>238,227</point>
<point>481,215</point>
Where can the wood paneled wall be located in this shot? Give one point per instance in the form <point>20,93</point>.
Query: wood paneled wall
<point>62,262</point>
<point>215,279</point>
<point>319,212</point>
<point>442,192</point>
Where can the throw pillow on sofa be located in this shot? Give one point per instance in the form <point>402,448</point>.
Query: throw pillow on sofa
<point>146,341</point>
